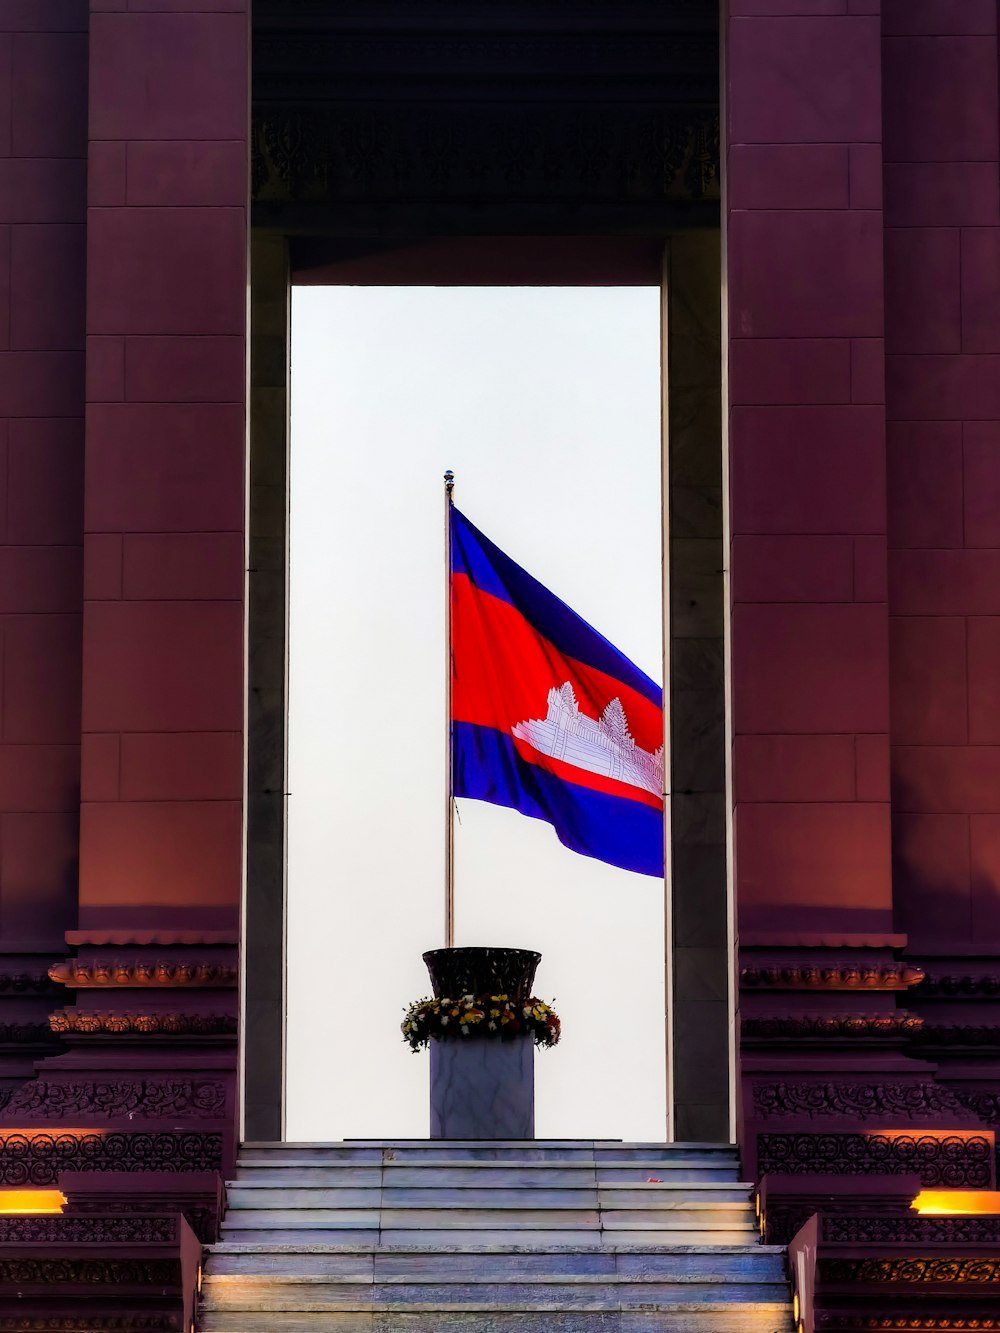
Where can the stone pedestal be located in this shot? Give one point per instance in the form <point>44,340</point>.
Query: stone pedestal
<point>482,1089</point>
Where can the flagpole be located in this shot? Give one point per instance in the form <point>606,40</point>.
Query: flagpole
<point>449,799</point>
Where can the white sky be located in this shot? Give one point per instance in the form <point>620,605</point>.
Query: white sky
<point>545,402</point>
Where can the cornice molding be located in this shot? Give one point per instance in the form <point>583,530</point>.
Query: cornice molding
<point>813,976</point>
<point>135,973</point>
<point>75,1023</point>
<point>898,1026</point>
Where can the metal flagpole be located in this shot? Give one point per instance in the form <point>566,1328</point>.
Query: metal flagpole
<point>449,798</point>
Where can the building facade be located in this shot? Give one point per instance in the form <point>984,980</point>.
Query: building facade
<point>829,210</point>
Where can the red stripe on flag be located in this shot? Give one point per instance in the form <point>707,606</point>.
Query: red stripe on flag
<point>503,669</point>
<point>582,777</point>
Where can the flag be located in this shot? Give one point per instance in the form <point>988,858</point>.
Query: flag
<point>547,716</point>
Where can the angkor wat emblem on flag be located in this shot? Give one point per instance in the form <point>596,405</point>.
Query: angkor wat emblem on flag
<point>603,745</point>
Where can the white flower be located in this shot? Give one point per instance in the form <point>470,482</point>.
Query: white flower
<point>444,1021</point>
<point>492,1026</point>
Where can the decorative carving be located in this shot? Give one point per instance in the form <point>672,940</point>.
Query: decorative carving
<point>135,1272</point>
<point>979,1270</point>
<point>911,1101</point>
<point>25,983</point>
<point>833,1027</point>
<point>164,1023</point>
<point>961,985</point>
<point>807,976</point>
<point>905,1323</point>
<point>69,1229</point>
<point>986,1105</point>
<point>91,1323</point>
<point>477,971</point>
<point>952,1161</point>
<point>32,1158</point>
<point>370,153</point>
<point>905,1228</point>
<point>121,1099</point>
<point>960,1034</point>
<point>142,973</point>
<point>25,1034</point>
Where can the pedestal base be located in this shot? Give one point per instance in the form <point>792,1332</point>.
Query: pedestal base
<point>482,1089</point>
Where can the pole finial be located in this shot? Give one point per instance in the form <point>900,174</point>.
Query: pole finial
<point>449,483</point>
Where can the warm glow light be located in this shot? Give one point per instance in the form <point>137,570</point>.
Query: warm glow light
<point>32,1201</point>
<point>955,1203</point>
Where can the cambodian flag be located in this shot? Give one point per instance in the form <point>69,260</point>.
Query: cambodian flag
<point>548,717</point>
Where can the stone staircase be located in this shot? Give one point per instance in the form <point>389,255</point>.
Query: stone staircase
<point>573,1236</point>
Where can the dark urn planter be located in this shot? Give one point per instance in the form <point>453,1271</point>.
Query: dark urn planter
<point>481,1087</point>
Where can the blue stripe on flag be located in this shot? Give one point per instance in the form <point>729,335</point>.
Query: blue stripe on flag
<point>624,833</point>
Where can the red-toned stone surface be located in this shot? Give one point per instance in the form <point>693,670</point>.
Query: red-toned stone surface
<point>43,148</point>
<point>943,408</point>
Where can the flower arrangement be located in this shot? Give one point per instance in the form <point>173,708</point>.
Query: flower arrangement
<point>496,1017</point>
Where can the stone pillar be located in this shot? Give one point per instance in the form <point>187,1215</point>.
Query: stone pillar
<point>149,1011</point>
<point>163,698</point>
<point>267,717</point>
<point>699,1004</point>
<point>942,247</point>
<point>43,147</point>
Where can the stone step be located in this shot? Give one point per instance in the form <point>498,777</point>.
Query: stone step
<point>487,1173</point>
<point>654,1212</point>
<point>253,1195</point>
<point>301,1294</point>
<point>520,1150</point>
<point>447,1237</point>
<point>760,1317</point>
<point>483,1263</point>
<point>557,1236</point>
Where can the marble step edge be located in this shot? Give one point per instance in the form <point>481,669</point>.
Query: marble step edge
<point>665,1305</point>
<point>466,1157</point>
<point>622,1247</point>
<point>652,1186</point>
<point>548,1206</point>
<point>283,1279</point>
<point>728,1171</point>
<point>500,1143</point>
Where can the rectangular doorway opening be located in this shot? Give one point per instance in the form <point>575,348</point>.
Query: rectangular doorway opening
<point>546,401</point>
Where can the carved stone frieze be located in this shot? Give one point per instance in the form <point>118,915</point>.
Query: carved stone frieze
<point>25,983</point>
<point>140,972</point>
<point>370,153</point>
<point>832,1027</point>
<point>33,1158</point>
<point>831,1319</point>
<point>980,1035</point>
<point>951,1161</point>
<point>91,1323</point>
<point>937,1270</point>
<point>25,1034</point>
<point>83,1230</point>
<point>908,1101</point>
<point>810,976</point>
<point>190,1098</point>
<point>986,1105</point>
<point>162,1023</point>
<point>50,1272</point>
<point>909,1229</point>
<point>960,984</point>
